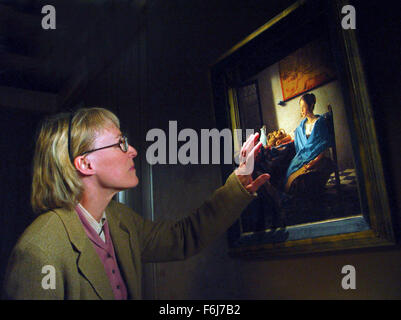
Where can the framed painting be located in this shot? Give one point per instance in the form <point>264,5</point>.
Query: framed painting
<point>340,205</point>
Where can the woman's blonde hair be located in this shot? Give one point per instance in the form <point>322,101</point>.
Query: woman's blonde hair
<point>56,183</point>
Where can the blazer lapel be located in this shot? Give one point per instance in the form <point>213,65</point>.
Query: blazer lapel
<point>88,260</point>
<point>121,243</point>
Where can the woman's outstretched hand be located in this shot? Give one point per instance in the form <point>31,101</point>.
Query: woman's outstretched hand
<point>247,159</point>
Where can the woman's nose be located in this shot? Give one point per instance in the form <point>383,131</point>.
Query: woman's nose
<point>132,151</point>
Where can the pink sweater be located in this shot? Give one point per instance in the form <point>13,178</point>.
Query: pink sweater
<point>106,253</point>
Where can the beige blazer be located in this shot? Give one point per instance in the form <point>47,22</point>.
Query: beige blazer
<point>57,238</point>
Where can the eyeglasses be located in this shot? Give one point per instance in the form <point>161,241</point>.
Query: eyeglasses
<point>123,143</point>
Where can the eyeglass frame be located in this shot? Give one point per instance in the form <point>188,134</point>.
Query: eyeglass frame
<point>123,143</point>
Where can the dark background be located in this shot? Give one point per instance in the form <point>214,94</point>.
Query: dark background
<point>149,61</point>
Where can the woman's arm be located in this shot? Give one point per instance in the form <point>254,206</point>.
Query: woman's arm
<point>28,279</point>
<point>313,163</point>
<point>176,240</point>
<point>166,241</point>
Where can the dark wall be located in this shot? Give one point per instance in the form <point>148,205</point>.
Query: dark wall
<point>17,143</point>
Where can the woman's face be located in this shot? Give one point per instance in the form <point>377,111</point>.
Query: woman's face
<point>304,108</point>
<point>115,169</point>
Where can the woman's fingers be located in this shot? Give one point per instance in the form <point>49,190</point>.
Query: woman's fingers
<point>250,142</point>
<point>249,145</point>
<point>247,164</point>
<point>255,150</point>
<point>257,183</point>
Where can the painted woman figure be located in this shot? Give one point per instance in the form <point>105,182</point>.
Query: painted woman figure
<point>310,168</point>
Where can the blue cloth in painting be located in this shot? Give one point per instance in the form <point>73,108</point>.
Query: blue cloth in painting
<point>308,149</point>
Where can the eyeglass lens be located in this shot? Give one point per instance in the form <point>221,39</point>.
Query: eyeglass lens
<point>124,144</point>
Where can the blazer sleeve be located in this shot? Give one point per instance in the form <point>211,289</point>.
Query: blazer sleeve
<point>177,240</point>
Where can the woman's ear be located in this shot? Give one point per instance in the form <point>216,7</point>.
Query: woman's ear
<point>84,165</point>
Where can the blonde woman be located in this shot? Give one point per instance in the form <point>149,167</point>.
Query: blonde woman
<point>83,245</point>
